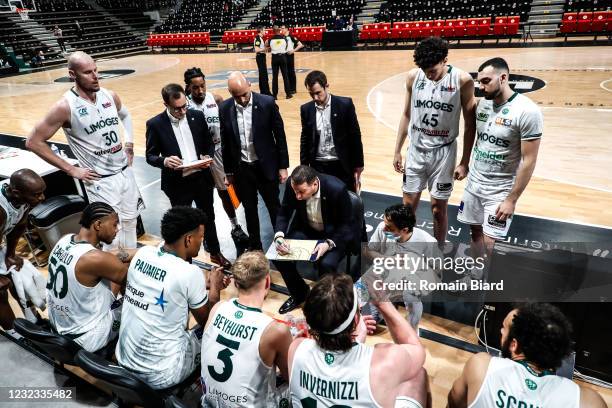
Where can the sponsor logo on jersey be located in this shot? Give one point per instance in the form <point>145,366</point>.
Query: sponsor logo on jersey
<point>431,132</point>
<point>505,111</point>
<point>445,186</point>
<point>447,88</point>
<point>497,141</point>
<point>531,384</point>
<point>481,116</point>
<point>238,314</point>
<point>494,222</point>
<point>101,125</point>
<point>420,85</point>
<point>329,358</point>
<point>283,403</point>
<point>106,105</point>
<point>461,206</point>
<point>429,104</point>
<point>112,150</point>
<point>82,111</point>
<point>161,301</point>
<point>484,155</point>
<point>503,122</point>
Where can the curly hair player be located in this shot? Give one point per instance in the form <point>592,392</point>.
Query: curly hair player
<point>435,92</point>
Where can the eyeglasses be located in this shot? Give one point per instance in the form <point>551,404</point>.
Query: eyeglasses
<point>178,109</point>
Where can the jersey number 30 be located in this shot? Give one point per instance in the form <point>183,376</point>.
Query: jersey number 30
<point>110,137</point>
<point>225,356</point>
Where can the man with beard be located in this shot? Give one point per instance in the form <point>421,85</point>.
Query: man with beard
<point>89,116</point>
<point>207,102</point>
<point>508,127</point>
<point>535,339</point>
<point>257,344</point>
<point>80,290</point>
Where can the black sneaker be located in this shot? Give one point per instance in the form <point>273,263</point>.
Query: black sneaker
<point>239,235</point>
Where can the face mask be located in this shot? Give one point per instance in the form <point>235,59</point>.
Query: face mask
<point>390,236</point>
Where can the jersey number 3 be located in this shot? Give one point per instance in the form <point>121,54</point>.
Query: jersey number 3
<point>225,356</point>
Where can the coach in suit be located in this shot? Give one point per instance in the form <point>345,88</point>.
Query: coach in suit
<point>255,154</point>
<point>331,138</point>
<point>321,209</point>
<point>179,136</point>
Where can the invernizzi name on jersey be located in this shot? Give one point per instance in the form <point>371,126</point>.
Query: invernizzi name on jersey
<point>94,127</point>
<point>337,390</point>
<point>446,107</point>
<point>233,328</point>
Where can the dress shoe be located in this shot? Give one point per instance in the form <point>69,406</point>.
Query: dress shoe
<point>220,260</point>
<point>238,234</point>
<point>289,305</point>
<point>289,96</point>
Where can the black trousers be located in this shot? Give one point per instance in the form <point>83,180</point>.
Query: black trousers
<point>279,62</point>
<point>249,180</point>
<point>196,187</point>
<point>262,67</point>
<point>291,72</point>
<point>334,168</point>
<point>328,263</point>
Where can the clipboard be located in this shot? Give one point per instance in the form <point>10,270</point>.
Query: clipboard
<point>299,255</point>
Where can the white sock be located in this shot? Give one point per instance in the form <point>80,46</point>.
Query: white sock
<point>30,314</point>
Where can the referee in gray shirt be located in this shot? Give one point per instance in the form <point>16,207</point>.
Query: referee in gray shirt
<point>278,46</point>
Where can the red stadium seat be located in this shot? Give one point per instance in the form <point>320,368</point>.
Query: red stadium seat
<point>438,28</point>
<point>472,27</point>
<point>484,26</point>
<point>460,27</point>
<point>428,28</point>
<point>385,31</point>
<point>449,28</point>
<point>500,26</point>
<point>513,23</point>
<point>569,23</point>
<point>600,21</point>
<point>584,21</point>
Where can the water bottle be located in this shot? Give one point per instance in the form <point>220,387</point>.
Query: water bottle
<point>55,150</point>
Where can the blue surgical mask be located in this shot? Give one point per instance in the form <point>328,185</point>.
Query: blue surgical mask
<point>390,236</point>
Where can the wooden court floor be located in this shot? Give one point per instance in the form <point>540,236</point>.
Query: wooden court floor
<point>573,177</point>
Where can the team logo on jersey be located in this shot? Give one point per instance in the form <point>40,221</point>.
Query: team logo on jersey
<point>494,222</point>
<point>503,121</point>
<point>483,117</point>
<point>106,105</point>
<point>82,111</point>
<point>447,88</point>
<point>445,187</point>
<point>283,403</point>
<point>238,314</point>
<point>329,358</point>
<point>420,85</point>
<point>531,384</point>
<point>505,111</point>
<point>160,301</point>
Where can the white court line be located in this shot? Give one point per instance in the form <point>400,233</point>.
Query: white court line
<point>150,184</point>
<point>605,87</point>
<point>368,97</point>
<point>586,224</point>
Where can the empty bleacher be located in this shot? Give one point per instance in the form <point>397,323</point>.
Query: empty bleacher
<point>307,12</point>
<point>213,16</point>
<point>23,43</point>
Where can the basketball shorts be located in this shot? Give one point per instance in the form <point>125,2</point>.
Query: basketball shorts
<point>188,360</point>
<point>104,332</point>
<point>475,210</point>
<point>406,402</point>
<point>120,191</point>
<point>432,169</point>
<point>217,170</point>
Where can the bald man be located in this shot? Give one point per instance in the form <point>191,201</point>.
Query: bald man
<point>18,195</point>
<point>254,148</point>
<point>89,116</point>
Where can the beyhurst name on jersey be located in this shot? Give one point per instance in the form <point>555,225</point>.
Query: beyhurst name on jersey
<point>497,151</point>
<point>435,110</point>
<point>94,133</point>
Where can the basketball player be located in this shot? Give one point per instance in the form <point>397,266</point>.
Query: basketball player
<point>89,116</point>
<point>162,288</point>
<point>535,339</point>
<point>208,103</point>
<point>333,369</point>
<point>81,301</point>
<point>435,94</point>
<point>18,195</point>
<point>242,346</point>
<point>509,127</point>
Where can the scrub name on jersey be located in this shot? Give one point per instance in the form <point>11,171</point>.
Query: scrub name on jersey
<point>505,400</point>
<point>331,389</point>
<point>109,138</point>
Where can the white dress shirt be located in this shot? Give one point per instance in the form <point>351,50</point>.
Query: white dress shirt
<point>184,138</point>
<point>313,210</point>
<point>244,117</point>
<point>326,150</point>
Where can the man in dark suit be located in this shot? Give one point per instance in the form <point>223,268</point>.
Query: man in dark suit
<point>331,138</point>
<point>175,138</point>
<point>322,208</point>
<point>254,147</point>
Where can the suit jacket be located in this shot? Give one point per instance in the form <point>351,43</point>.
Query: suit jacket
<point>335,210</point>
<point>161,143</point>
<point>345,132</point>
<point>267,130</point>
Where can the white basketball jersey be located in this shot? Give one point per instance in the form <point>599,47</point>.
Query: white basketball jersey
<point>160,290</point>
<point>234,374</point>
<point>510,384</point>
<point>13,214</point>
<point>435,110</point>
<point>73,307</point>
<point>325,378</point>
<point>497,151</point>
<point>211,112</point>
<point>94,134</point>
